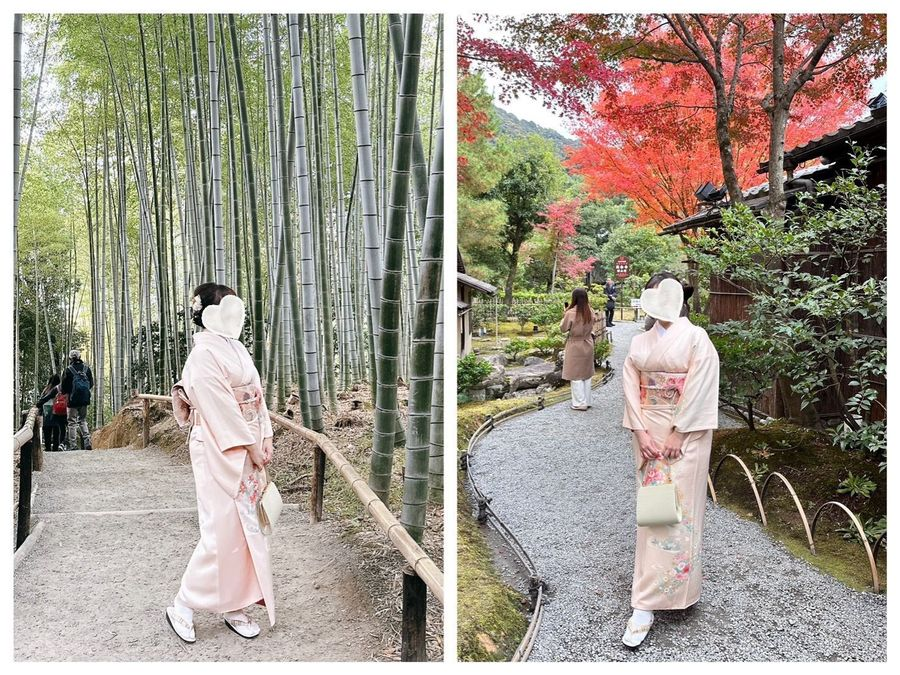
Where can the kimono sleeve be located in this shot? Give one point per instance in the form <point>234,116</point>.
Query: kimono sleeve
<point>631,383</point>
<point>698,408</point>
<point>211,394</point>
<point>264,422</point>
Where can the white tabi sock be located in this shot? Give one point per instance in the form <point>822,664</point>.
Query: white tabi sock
<point>186,612</point>
<point>641,617</point>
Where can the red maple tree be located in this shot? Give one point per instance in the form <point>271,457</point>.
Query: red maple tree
<point>562,220</point>
<point>655,140</point>
<point>755,75</point>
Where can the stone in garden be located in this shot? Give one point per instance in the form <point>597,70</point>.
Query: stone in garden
<point>530,377</point>
<point>476,394</point>
<point>497,360</point>
<point>533,360</point>
<point>496,391</point>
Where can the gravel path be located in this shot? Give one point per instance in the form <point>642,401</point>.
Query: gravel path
<point>120,526</point>
<point>562,481</point>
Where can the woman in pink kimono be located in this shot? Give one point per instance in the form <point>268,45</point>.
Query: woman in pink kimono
<point>671,381</point>
<point>230,443</point>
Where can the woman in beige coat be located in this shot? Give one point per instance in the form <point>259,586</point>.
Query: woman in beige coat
<point>578,360</point>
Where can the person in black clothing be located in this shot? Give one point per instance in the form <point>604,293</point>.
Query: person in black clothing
<point>53,425</point>
<point>611,293</point>
<point>77,383</point>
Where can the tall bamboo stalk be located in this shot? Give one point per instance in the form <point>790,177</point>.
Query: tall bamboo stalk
<point>372,237</point>
<point>416,475</point>
<point>288,241</point>
<point>307,263</point>
<point>391,305</point>
<point>17,121</point>
<point>216,151</point>
<point>247,157</point>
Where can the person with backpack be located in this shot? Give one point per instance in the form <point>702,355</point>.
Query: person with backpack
<point>77,383</point>
<point>53,405</point>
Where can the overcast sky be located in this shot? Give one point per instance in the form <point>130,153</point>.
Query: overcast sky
<point>533,110</point>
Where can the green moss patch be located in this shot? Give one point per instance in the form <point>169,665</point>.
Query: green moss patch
<point>815,467</point>
<point>490,618</point>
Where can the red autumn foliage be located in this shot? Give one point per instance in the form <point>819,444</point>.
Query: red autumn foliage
<point>645,106</point>
<point>562,220</point>
<point>656,142</point>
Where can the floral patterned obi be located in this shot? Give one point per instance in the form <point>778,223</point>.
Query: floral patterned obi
<point>661,389</point>
<point>248,397</point>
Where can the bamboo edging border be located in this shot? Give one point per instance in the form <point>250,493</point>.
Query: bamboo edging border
<point>417,558</point>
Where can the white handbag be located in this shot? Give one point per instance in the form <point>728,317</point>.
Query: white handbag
<point>658,504</point>
<point>268,508</point>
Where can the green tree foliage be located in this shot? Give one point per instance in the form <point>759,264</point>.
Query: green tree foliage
<point>534,180</point>
<point>481,162</point>
<point>808,296</point>
<point>646,251</point>
<point>598,220</point>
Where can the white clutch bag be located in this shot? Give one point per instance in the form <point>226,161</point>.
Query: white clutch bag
<point>268,508</point>
<point>658,505</point>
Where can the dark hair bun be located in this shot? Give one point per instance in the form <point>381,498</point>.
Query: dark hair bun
<point>209,294</point>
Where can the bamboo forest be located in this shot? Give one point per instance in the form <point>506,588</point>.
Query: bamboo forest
<point>296,158</point>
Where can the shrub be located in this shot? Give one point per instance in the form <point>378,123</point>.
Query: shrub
<point>551,344</point>
<point>470,371</point>
<point>602,350</point>
<point>873,528</point>
<point>812,298</point>
<point>856,486</point>
<point>546,314</point>
<point>749,364</point>
<point>515,347</point>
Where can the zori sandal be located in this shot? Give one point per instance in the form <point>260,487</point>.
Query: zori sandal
<point>182,628</point>
<point>243,625</point>
<point>635,634</point>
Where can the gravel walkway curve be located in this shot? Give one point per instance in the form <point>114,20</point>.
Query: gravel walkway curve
<point>562,481</point>
<point>120,526</point>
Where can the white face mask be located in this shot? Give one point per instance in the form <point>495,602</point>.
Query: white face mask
<point>226,318</point>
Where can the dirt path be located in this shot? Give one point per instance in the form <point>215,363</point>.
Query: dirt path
<point>563,481</point>
<point>120,526</point>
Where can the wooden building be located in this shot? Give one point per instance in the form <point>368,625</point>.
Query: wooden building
<point>466,286</point>
<point>819,160</point>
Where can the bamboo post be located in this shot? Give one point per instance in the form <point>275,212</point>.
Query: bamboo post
<point>145,437</point>
<point>412,646</point>
<point>317,495</point>
<point>37,447</point>
<point>23,528</point>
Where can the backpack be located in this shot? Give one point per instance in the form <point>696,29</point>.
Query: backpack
<point>81,388</point>
<point>61,404</point>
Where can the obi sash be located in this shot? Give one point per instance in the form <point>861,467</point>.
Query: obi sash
<point>661,389</point>
<point>248,397</point>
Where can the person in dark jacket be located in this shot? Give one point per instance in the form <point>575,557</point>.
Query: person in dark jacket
<point>611,293</point>
<point>77,383</point>
<point>53,425</point>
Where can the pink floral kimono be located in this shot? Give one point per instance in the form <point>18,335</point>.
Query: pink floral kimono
<point>671,381</point>
<point>220,395</point>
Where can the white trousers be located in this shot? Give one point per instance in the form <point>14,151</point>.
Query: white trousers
<point>581,393</point>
